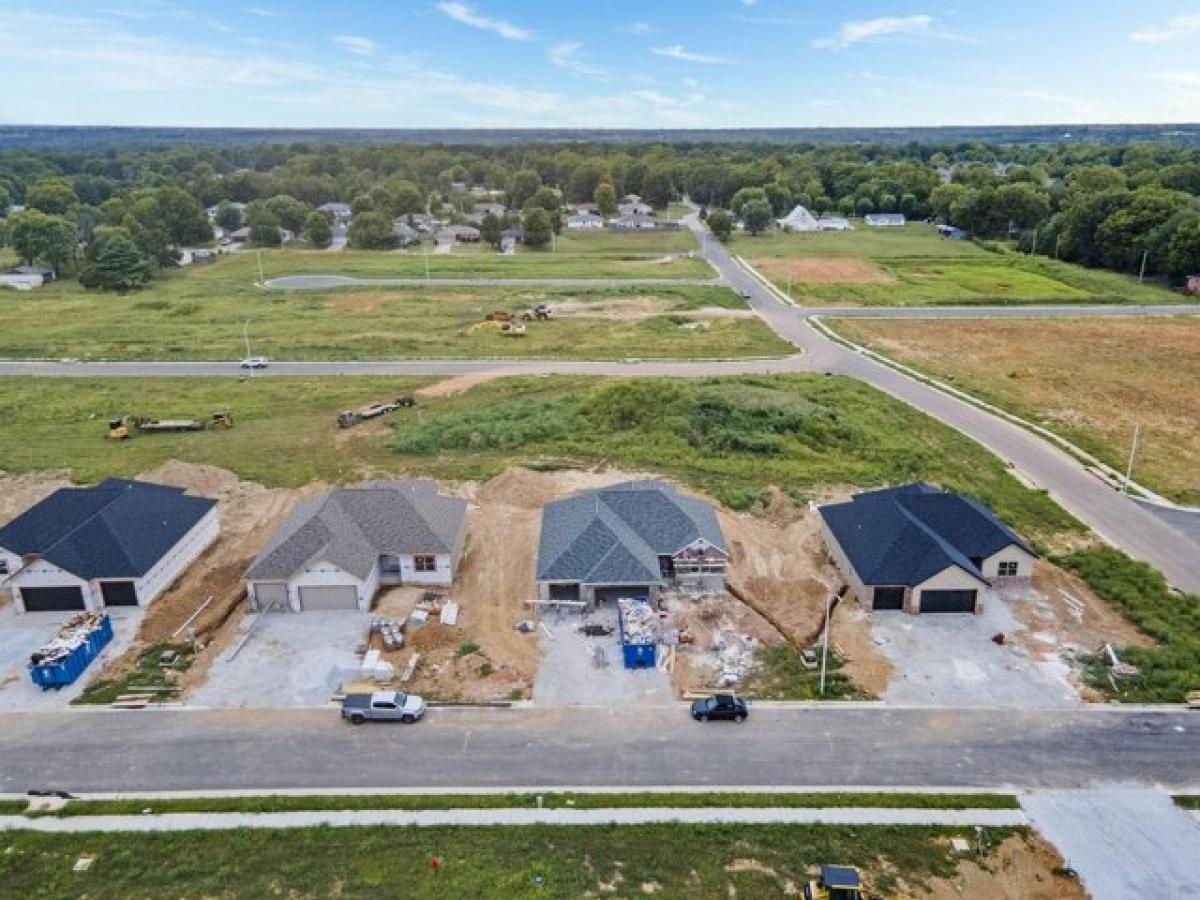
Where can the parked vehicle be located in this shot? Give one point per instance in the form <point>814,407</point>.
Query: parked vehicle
<point>720,707</point>
<point>255,362</point>
<point>382,706</point>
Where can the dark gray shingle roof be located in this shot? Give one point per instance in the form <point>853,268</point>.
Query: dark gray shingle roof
<point>352,527</point>
<point>904,535</point>
<point>117,529</point>
<point>615,535</point>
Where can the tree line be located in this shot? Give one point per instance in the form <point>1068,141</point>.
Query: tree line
<point>116,217</point>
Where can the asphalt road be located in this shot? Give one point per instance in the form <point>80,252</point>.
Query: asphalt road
<point>591,747</point>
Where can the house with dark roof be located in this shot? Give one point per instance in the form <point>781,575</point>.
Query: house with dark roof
<point>120,543</point>
<point>336,550</point>
<point>631,539</point>
<point>922,550</point>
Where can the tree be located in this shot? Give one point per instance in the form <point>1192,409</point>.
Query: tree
<point>537,228</point>
<point>318,229</point>
<point>290,212</point>
<point>782,199</point>
<point>40,238</point>
<point>720,223</point>
<point>658,188</point>
<point>584,181</point>
<point>747,195</point>
<point>605,199</point>
<point>544,198</point>
<point>524,185</point>
<point>118,265</point>
<point>1021,203</point>
<point>264,225</point>
<point>756,216</point>
<point>228,216</point>
<point>491,230</point>
<point>407,198</point>
<point>1183,249</point>
<point>371,231</point>
<point>51,195</point>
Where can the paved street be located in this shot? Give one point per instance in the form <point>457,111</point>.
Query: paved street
<point>592,747</point>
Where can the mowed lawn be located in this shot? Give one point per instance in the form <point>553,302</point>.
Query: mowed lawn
<point>1090,380</point>
<point>671,861</point>
<point>199,313</point>
<point>732,438</point>
<point>914,266</point>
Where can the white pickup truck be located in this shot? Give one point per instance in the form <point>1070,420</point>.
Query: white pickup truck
<point>382,706</point>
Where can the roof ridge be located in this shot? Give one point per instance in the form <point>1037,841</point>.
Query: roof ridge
<point>118,493</point>
<point>956,555</point>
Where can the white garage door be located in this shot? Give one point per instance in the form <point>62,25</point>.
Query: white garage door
<point>268,595</point>
<point>329,597</point>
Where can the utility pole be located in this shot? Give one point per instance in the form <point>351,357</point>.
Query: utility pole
<point>261,278</point>
<point>1137,430</point>
<point>1057,244</point>
<point>1033,250</point>
<point>246,338</point>
<point>425,250</point>
<point>825,642</point>
<point>1142,271</point>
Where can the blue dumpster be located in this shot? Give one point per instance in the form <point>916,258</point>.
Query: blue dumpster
<point>66,669</point>
<point>636,654</point>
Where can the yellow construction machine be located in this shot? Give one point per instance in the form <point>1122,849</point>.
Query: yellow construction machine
<point>835,883</point>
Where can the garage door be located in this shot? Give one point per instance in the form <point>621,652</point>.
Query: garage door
<point>52,599</point>
<point>610,595</point>
<point>888,598</point>
<point>270,596</point>
<point>118,593</point>
<point>329,597</point>
<point>948,601</point>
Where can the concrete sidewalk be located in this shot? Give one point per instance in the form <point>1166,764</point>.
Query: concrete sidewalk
<point>964,818</point>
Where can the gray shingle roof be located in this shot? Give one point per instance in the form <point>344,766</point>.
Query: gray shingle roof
<point>615,535</point>
<point>351,527</point>
<point>904,535</point>
<point>116,529</point>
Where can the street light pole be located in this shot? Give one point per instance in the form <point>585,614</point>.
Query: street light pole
<point>825,641</point>
<point>1137,430</point>
<point>261,278</point>
<point>246,338</point>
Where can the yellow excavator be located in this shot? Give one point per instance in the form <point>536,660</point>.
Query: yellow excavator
<point>835,883</point>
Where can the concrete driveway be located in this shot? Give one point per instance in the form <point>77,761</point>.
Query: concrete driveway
<point>22,633</point>
<point>568,675</point>
<point>291,659</point>
<point>949,659</point>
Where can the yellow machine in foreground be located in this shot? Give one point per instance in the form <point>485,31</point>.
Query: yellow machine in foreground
<point>835,883</point>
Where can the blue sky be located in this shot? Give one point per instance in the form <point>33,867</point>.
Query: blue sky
<point>603,63</point>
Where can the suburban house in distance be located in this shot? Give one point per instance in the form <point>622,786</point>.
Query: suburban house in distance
<point>585,221</point>
<point>341,212</point>
<point>336,550</point>
<point>921,550</point>
<point>120,543</point>
<point>799,219</point>
<point>885,220</point>
<point>631,539</point>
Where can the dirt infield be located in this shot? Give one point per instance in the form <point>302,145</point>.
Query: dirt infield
<point>822,270</point>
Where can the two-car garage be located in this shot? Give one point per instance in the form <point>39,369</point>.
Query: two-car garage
<point>65,598</point>
<point>329,596</point>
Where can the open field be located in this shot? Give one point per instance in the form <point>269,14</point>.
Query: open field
<point>731,438</point>
<point>1090,381</point>
<point>199,314</point>
<point>618,243</point>
<point>913,266</point>
<point>546,861</point>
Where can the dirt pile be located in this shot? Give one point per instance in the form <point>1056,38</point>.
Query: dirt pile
<point>1021,868</point>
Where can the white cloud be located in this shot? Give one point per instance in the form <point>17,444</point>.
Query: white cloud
<point>353,43</point>
<point>637,28</point>
<point>859,30</point>
<point>677,51</point>
<point>461,12</point>
<point>259,11</point>
<point>565,55</point>
<point>1179,79</point>
<point>1177,29</point>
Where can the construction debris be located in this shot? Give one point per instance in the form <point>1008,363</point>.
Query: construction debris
<point>410,667</point>
<point>525,626</point>
<point>450,614</point>
<point>376,668</point>
<point>418,618</point>
<point>390,631</point>
<point>639,621</point>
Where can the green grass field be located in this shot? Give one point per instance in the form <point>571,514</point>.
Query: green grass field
<point>198,314</point>
<point>914,266</point>
<point>565,800</point>
<point>672,861</point>
<point>731,437</point>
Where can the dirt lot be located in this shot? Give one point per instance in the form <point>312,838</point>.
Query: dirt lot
<point>19,492</point>
<point>822,270</point>
<point>627,308</point>
<point>1087,379</point>
<point>1019,869</point>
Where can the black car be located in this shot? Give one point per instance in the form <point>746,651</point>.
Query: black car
<point>724,707</point>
